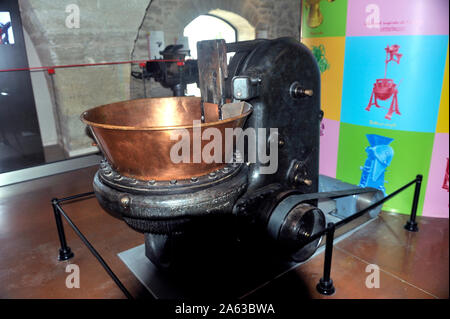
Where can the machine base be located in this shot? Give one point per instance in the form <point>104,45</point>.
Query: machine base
<point>236,275</point>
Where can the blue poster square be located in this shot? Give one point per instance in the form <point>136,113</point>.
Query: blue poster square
<point>393,82</point>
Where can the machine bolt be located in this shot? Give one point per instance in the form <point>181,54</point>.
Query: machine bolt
<point>300,180</point>
<point>321,113</point>
<point>297,91</point>
<point>194,179</point>
<point>152,182</point>
<point>125,201</point>
<point>212,174</point>
<point>173,182</point>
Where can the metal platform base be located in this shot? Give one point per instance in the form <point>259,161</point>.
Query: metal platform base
<point>236,278</point>
<point>239,272</point>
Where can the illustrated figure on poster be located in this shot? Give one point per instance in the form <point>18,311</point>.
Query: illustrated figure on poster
<point>319,54</point>
<point>4,28</point>
<point>384,89</point>
<point>315,16</point>
<point>379,157</point>
<point>445,184</point>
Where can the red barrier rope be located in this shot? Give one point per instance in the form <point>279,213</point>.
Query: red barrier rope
<point>51,69</point>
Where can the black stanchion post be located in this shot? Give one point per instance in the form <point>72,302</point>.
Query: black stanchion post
<point>94,252</point>
<point>325,285</point>
<point>65,252</point>
<point>411,224</point>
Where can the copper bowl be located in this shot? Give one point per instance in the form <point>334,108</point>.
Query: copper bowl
<point>135,135</point>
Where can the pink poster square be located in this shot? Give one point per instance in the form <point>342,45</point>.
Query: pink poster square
<point>329,141</point>
<point>436,196</point>
<point>398,17</point>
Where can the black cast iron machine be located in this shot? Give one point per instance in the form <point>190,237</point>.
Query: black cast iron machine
<point>186,209</point>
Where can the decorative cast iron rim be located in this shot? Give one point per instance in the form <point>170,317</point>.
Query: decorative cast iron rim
<point>112,178</point>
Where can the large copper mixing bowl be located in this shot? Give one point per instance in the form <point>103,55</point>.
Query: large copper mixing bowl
<point>135,135</point>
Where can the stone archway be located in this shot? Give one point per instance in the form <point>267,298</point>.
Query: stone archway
<point>245,31</point>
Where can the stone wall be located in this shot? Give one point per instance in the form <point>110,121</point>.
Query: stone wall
<point>107,32</point>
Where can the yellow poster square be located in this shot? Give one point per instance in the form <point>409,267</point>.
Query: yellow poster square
<point>329,53</point>
<point>442,123</point>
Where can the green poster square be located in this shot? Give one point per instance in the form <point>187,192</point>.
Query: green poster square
<point>324,18</point>
<point>411,156</point>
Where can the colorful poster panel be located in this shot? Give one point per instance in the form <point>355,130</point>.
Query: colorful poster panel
<point>436,198</point>
<point>329,53</point>
<point>6,31</point>
<point>386,160</point>
<point>329,140</point>
<point>398,17</point>
<point>393,82</point>
<point>442,124</point>
<point>324,18</point>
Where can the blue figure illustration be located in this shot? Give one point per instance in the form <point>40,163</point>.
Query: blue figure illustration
<point>379,157</point>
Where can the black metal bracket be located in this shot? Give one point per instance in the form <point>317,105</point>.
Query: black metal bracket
<point>325,285</point>
<point>65,252</point>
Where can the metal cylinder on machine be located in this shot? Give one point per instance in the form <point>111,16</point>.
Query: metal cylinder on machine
<point>292,223</point>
